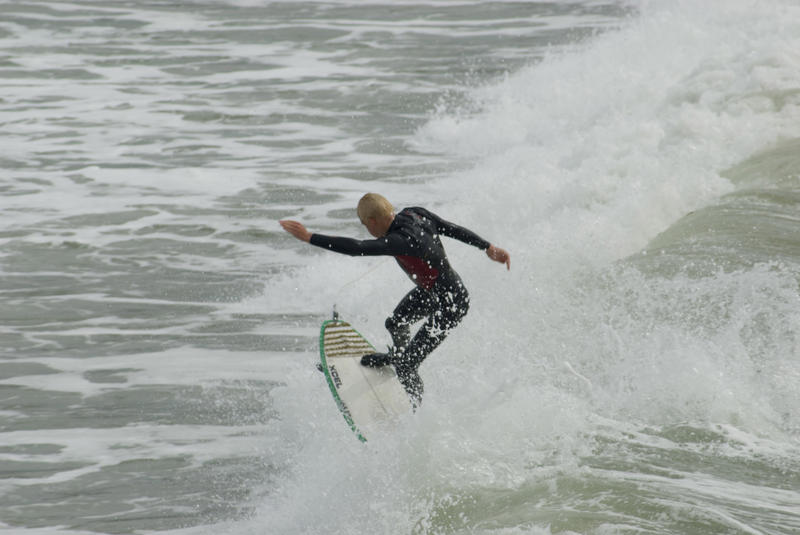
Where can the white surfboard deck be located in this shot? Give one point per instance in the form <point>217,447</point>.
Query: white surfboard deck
<point>367,397</point>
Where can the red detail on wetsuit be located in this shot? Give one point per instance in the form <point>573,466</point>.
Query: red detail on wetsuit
<point>422,273</point>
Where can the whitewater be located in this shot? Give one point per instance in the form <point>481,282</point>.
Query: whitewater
<point>636,371</point>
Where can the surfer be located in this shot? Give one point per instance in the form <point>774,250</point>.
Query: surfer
<point>411,236</point>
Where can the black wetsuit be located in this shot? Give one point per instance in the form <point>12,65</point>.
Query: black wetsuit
<point>439,296</point>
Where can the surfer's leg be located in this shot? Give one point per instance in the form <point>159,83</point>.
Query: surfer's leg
<point>455,305</point>
<point>417,304</point>
<point>412,382</point>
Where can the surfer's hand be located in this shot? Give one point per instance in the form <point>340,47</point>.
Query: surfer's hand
<point>499,255</point>
<point>296,229</point>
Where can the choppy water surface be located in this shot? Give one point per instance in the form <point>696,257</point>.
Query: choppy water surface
<point>635,372</point>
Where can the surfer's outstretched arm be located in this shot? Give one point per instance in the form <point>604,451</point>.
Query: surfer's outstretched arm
<point>296,229</point>
<point>465,235</point>
<point>392,245</point>
<point>499,255</point>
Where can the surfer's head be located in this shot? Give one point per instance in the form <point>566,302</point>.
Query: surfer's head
<point>376,213</point>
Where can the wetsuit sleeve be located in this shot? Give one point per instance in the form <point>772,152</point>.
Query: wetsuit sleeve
<point>451,230</point>
<point>388,246</point>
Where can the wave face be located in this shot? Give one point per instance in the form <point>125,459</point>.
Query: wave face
<point>637,371</point>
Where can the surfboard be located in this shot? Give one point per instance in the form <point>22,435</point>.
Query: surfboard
<point>367,397</point>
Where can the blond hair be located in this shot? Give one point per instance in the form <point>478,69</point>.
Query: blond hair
<point>373,205</point>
